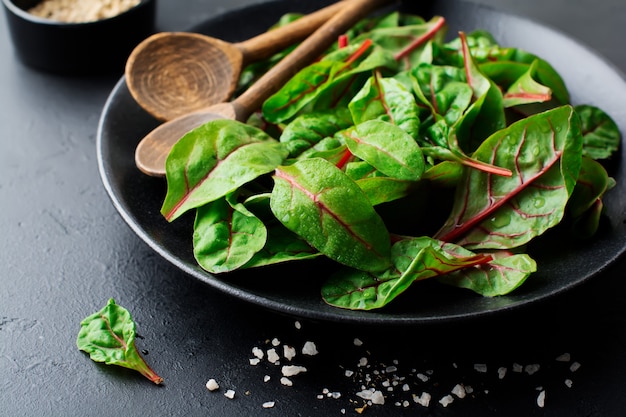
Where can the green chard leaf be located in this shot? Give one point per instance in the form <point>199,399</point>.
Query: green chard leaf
<point>215,159</point>
<point>417,259</point>
<point>387,148</point>
<point>526,90</point>
<point>318,202</point>
<point>601,136</point>
<point>226,235</point>
<point>109,336</point>
<point>497,212</point>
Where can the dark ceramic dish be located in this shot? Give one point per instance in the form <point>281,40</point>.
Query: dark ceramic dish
<point>294,288</point>
<point>74,48</point>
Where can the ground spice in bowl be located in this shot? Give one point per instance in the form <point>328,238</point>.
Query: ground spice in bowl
<point>77,11</point>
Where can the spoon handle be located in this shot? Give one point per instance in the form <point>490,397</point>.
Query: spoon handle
<point>309,50</point>
<point>268,43</point>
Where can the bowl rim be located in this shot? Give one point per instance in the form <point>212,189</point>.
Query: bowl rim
<point>25,15</point>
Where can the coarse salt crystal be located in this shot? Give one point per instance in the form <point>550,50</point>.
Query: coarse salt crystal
<point>501,372</point>
<point>531,369</point>
<point>423,400</point>
<point>266,378</point>
<point>254,361</point>
<point>569,383</point>
<point>291,370</point>
<point>574,367</point>
<point>363,361</point>
<point>405,403</point>
<point>286,381</point>
<point>268,404</point>
<point>289,352</point>
<point>480,367</point>
<point>275,342</point>
<point>357,342</point>
<point>446,400</point>
<point>517,368</point>
<point>348,373</point>
<point>230,394</point>
<point>212,385</point>
<point>565,357</point>
<point>258,353</point>
<point>272,356</point>
<point>405,387</point>
<point>391,369</point>
<point>459,391</point>
<point>541,399</point>
<point>422,377</point>
<point>298,325</point>
<point>310,349</point>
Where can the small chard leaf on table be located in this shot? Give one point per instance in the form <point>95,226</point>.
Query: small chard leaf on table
<point>215,159</point>
<point>497,212</point>
<point>109,336</point>
<point>322,205</point>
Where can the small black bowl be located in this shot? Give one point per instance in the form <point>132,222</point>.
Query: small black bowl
<point>77,48</point>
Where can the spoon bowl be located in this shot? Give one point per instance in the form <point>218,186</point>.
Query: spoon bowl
<point>171,74</point>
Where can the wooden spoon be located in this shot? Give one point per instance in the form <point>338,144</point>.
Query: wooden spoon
<point>171,74</point>
<point>152,151</point>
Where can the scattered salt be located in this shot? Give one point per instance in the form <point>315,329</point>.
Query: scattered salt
<point>423,400</point>
<point>266,378</point>
<point>275,342</point>
<point>298,325</point>
<point>255,361</point>
<point>480,367</point>
<point>531,369</point>
<point>574,367</point>
<point>391,369</point>
<point>565,357</point>
<point>375,396</point>
<point>272,356</point>
<point>422,377</point>
<point>289,352</point>
<point>541,399</point>
<point>446,400</point>
<point>230,394</point>
<point>268,404</point>
<point>348,373</point>
<point>291,370</point>
<point>309,349</point>
<point>286,381</point>
<point>257,352</point>
<point>363,361</point>
<point>406,387</point>
<point>517,368</point>
<point>501,372</point>
<point>357,342</point>
<point>212,385</point>
<point>459,391</point>
<point>569,383</point>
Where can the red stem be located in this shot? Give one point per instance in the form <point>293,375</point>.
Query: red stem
<point>421,40</point>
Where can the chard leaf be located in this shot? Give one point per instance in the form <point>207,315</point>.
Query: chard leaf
<point>526,90</point>
<point>414,259</point>
<point>213,160</point>
<point>601,136</point>
<point>318,202</point>
<point>388,100</point>
<point>387,148</point>
<point>490,211</point>
<point>308,129</point>
<point>384,189</point>
<point>109,336</point>
<point>282,245</point>
<point>226,235</point>
<point>499,277</point>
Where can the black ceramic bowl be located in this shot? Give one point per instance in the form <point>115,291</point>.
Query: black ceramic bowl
<point>75,48</point>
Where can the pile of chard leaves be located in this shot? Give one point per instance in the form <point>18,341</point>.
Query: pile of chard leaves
<point>355,155</point>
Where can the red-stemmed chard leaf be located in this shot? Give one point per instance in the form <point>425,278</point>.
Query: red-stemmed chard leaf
<point>490,211</point>
<point>417,259</point>
<point>322,205</point>
<point>525,90</point>
<point>215,159</point>
<point>226,235</point>
<point>601,135</point>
